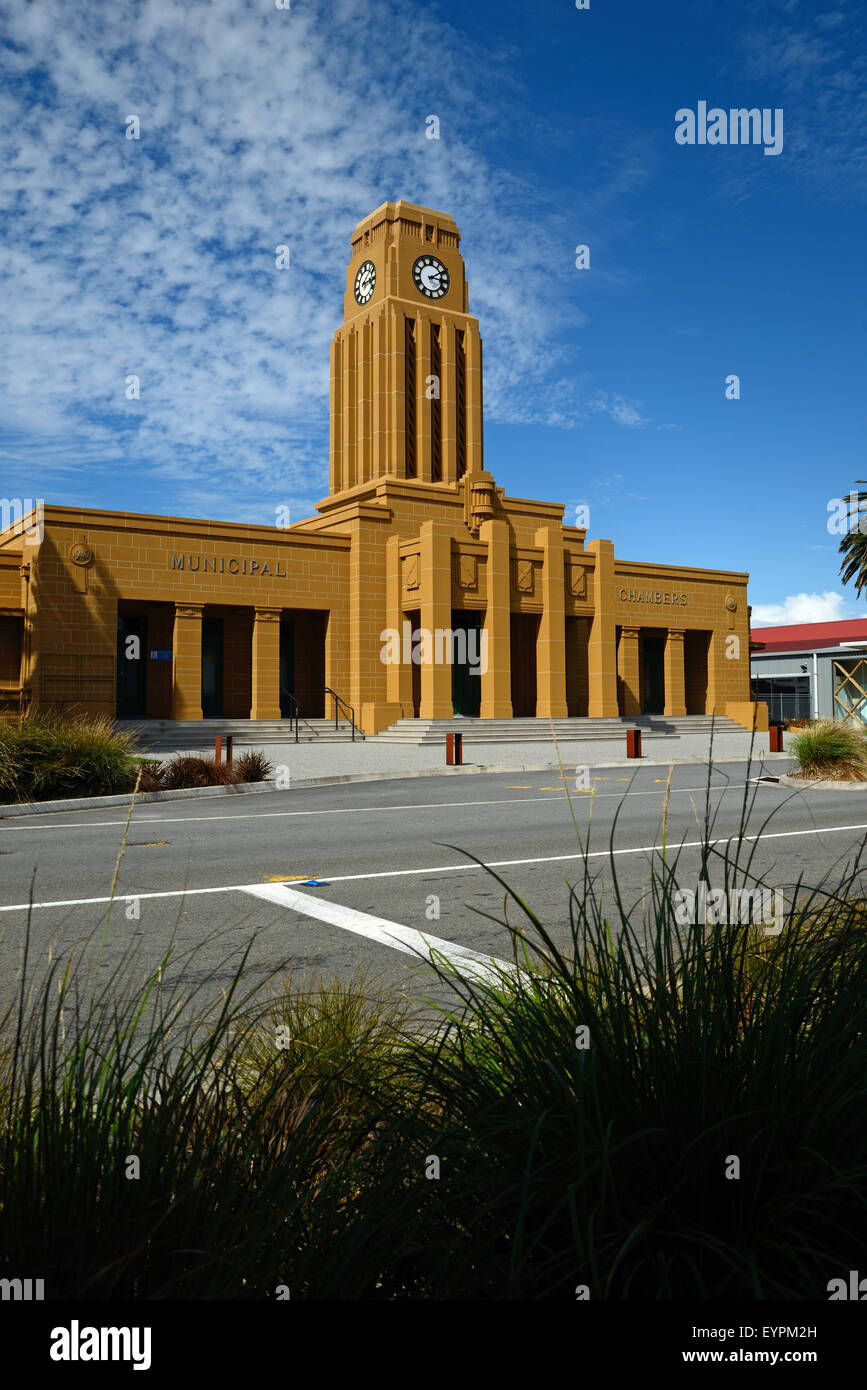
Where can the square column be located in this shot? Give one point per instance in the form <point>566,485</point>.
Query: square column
<point>497,679</point>
<point>629,670</point>
<point>675,690</point>
<point>266,664</point>
<point>602,646</point>
<point>398,675</point>
<point>551,642</point>
<point>187,662</point>
<point>435,572</point>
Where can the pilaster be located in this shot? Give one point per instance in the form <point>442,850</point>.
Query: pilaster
<point>551,642</point>
<point>187,662</point>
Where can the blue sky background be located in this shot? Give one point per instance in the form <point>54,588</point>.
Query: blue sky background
<point>262,127</point>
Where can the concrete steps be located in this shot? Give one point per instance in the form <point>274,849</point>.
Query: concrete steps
<point>531,730</point>
<point>194,735</point>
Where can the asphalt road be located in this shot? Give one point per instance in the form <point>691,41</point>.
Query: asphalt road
<point>391,860</point>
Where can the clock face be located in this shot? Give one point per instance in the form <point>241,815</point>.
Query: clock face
<point>365,282</point>
<point>431,277</point>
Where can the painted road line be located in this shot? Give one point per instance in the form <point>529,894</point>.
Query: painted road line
<point>347,810</point>
<point>393,934</point>
<point>469,867</point>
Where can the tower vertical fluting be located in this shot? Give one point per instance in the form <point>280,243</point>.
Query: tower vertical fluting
<point>406,378</point>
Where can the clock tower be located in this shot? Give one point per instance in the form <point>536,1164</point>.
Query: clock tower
<point>406,363</point>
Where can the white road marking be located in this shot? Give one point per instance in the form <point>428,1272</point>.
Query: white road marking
<point>339,810</point>
<point>394,934</point>
<point>469,867</point>
<point>127,897</point>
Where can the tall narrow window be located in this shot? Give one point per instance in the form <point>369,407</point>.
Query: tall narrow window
<point>409,397</point>
<point>461,402</point>
<point>436,438</point>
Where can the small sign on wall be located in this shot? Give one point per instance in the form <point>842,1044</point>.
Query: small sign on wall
<point>161,656</point>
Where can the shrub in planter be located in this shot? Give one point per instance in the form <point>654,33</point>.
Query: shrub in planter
<point>187,771</point>
<point>828,749</point>
<point>151,779</point>
<point>253,767</point>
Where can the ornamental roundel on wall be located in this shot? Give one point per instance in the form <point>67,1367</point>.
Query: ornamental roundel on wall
<point>80,554</point>
<point>731,604</point>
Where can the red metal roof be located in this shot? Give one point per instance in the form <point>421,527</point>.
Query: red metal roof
<point>801,637</point>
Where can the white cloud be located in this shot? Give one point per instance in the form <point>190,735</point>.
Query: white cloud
<point>802,608</point>
<point>259,127</point>
<point>815,65</point>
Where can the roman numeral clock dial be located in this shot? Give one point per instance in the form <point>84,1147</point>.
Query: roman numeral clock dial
<point>430,277</point>
<point>365,282</point>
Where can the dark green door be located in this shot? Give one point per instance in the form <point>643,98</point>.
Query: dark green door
<point>466,671</point>
<point>132,658</point>
<point>212,667</point>
<point>654,675</point>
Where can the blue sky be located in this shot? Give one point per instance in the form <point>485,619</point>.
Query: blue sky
<point>262,127</point>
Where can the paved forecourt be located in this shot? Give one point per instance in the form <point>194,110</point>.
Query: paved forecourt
<point>375,756</point>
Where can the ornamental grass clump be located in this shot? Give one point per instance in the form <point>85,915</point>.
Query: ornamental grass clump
<point>49,756</point>
<point>831,751</point>
<point>659,1110</point>
<point>142,1156</point>
<point>643,1103</point>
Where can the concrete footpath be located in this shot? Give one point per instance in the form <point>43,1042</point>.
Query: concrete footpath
<point>311,765</point>
<point>305,761</point>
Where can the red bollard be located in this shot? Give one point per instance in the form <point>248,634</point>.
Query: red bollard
<point>218,749</point>
<point>459,750</point>
<point>450,750</point>
<point>633,743</point>
<point>775,735</point>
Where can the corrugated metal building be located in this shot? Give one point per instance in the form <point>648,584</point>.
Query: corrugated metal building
<point>811,670</point>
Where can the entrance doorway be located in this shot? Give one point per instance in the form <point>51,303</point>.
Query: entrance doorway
<point>302,662</point>
<point>212,667</point>
<point>653,684</point>
<point>132,665</point>
<point>287,667</point>
<point>524,632</point>
<point>466,676</point>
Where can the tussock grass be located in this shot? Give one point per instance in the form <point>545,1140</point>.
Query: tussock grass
<point>309,1157</point>
<point>52,756</point>
<point>830,750</point>
<point>48,756</point>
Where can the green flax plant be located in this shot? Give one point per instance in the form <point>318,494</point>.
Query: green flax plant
<point>653,1108</point>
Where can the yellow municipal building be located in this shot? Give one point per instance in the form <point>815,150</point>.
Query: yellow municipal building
<point>244,621</point>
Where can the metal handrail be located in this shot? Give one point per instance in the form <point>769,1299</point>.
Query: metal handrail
<point>338,701</point>
<point>294,708</point>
